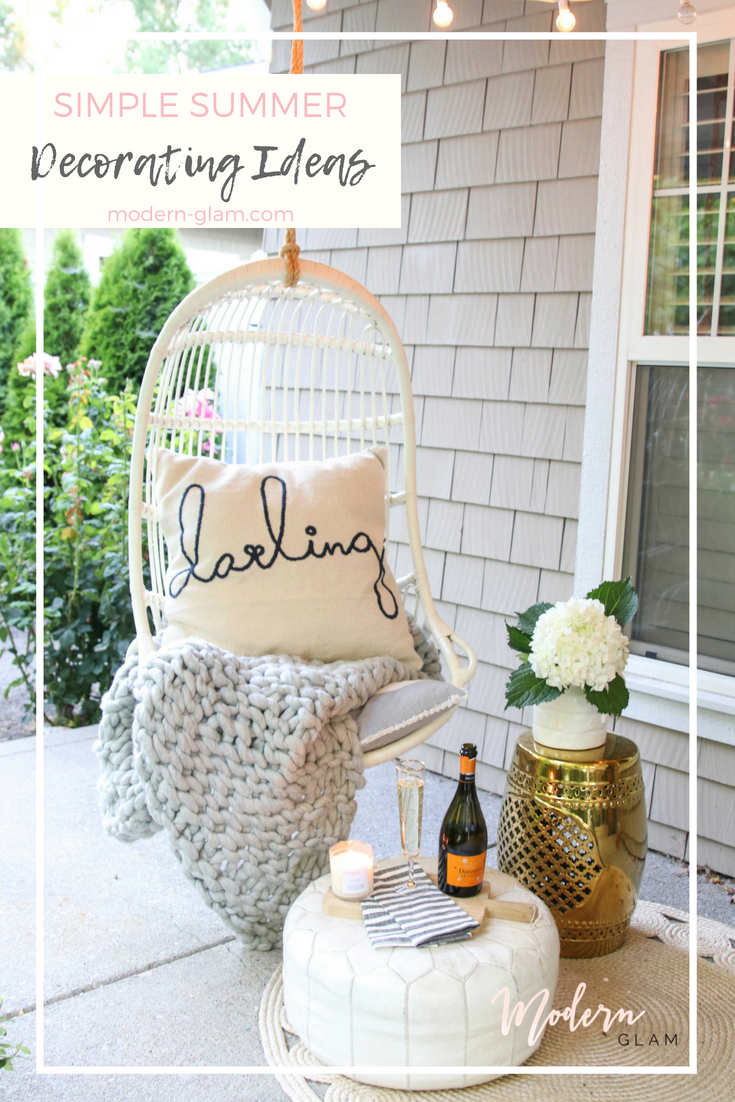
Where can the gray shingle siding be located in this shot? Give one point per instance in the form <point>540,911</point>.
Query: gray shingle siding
<point>484,280</point>
<point>488,280</point>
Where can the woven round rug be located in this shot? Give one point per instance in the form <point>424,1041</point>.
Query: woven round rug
<point>650,972</point>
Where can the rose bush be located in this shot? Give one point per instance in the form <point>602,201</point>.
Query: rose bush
<point>18,562</point>
<point>89,620</point>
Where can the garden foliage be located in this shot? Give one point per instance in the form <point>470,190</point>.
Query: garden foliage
<point>13,41</point>
<point>88,618</point>
<point>142,281</point>
<point>18,564</point>
<point>89,621</point>
<point>66,299</point>
<point>88,424</point>
<point>16,301</point>
<point>183,56</point>
<point>8,1050</point>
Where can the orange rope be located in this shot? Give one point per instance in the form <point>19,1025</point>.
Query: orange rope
<point>289,249</point>
<point>297,46</point>
<point>290,252</point>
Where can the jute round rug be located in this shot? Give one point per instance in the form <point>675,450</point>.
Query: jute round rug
<point>650,972</point>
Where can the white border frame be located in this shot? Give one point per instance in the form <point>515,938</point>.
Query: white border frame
<point>594,1070</point>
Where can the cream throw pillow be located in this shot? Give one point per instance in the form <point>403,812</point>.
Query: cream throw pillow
<point>282,558</point>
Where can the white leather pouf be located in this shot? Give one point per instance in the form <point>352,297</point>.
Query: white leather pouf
<point>353,1005</point>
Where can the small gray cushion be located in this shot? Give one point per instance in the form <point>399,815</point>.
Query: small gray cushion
<point>402,708</point>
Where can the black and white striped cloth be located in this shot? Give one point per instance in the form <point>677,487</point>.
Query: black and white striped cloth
<point>415,916</point>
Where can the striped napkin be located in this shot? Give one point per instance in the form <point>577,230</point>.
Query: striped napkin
<point>416,916</point>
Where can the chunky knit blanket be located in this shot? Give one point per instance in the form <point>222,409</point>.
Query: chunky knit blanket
<point>250,765</point>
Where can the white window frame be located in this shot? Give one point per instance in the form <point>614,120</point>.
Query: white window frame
<point>659,689</point>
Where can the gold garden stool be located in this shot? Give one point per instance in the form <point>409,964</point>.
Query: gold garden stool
<point>573,829</point>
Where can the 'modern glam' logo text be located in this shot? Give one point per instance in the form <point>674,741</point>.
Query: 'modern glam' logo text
<point>569,1014</point>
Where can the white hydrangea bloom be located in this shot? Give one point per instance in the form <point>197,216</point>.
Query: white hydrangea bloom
<point>575,643</point>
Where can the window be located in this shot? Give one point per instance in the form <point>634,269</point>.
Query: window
<point>656,531</point>
<point>667,300</point>
<point>657,527</point>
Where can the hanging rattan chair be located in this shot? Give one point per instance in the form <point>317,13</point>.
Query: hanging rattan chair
<point>307,371</point>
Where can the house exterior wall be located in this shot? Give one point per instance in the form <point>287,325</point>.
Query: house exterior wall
<point>658,725</point>
<point>489,283</point>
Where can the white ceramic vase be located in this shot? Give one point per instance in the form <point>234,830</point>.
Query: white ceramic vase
<point>569,723</point>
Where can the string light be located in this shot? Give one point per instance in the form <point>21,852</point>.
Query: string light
<point>565,20</point>
<point>687,12</point>
<point>443,14</point>
<point>316,5</point>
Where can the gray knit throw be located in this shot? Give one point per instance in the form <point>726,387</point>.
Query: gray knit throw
<point>249,764</point>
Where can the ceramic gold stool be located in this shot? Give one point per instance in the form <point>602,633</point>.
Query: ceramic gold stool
<point>573,829</point>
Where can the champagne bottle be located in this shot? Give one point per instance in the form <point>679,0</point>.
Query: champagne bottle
<point>463,838</point>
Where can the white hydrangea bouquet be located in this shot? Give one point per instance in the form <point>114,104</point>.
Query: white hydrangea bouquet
<point>575,643</point>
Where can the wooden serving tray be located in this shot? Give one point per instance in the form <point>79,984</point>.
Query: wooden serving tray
<point>480,907</point>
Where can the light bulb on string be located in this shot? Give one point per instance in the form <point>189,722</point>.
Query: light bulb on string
<point>316,5</point>
<point>443,14</point>
<point>565,20</point>
<point>687,12</point>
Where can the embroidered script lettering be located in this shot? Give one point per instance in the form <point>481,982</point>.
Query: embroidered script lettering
<point>274,514</point>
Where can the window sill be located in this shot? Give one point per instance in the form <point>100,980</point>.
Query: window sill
<point>657,702</point>
<point>711,351</point>
<point>659,694</point>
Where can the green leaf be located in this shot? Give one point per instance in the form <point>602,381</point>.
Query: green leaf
<point>613,700</point>
<point>518,640</point>
<point>527,620</point>
<point>525,688</point>
<point>619,598</point>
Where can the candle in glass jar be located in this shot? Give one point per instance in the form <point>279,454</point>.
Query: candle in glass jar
<point>351,865</point>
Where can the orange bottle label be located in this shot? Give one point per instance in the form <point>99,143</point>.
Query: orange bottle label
<point>465,872</point>
<point>467,765</point>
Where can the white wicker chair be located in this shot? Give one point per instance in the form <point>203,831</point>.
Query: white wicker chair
<point>303,372</point>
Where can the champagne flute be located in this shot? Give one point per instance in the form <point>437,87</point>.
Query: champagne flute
<point>410,778</point>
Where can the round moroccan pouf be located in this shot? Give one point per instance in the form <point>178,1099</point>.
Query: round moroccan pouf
<point>353,1005</point>
<point>649,973</point>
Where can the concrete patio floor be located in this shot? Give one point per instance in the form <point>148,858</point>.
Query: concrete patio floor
<point>138,971</point>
